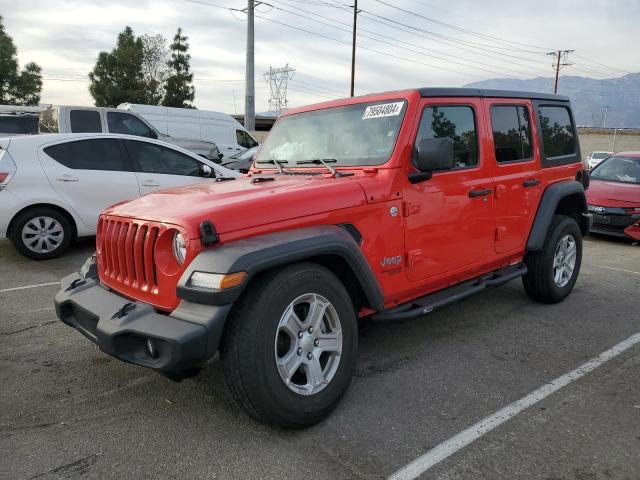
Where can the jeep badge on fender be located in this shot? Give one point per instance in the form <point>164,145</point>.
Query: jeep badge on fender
<point>273,270</point>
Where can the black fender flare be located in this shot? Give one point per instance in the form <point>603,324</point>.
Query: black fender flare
<point>551,198</point>
<point>260,253</point>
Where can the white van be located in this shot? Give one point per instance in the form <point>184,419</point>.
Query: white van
<point>222,129</point>
<point>72,119</point>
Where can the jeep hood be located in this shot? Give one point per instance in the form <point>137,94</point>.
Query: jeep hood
<point>244,203</point>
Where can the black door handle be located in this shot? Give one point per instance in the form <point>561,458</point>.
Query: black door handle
<point>480,192</point>
<point>531,182</point>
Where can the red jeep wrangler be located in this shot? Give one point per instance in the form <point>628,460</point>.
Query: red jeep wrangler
<point>388,205</point>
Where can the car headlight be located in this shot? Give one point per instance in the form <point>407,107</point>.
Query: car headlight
<point>179,247</point>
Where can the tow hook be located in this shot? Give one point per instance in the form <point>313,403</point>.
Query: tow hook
<point>126,308</point>
<point>76,283</point>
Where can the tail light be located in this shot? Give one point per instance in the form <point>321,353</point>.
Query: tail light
<point>7,168</point>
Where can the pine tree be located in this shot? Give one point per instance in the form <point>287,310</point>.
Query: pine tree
<point>17,88</point>
<point>117,76</point>
<point>179,89</point>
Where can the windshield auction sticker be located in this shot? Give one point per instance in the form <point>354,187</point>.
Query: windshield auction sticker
<point>383,110</point>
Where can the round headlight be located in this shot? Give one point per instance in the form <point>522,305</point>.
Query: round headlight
<point>179,247</point>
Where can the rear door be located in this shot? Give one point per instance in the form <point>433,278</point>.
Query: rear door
<point>89,175</point>
<point>449,222</point>
<point>158,167</point>
<point>515,167</point>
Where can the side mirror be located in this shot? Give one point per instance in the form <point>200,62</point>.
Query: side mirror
<point>433,154</point>
<point>206,170</point>
<point>220,155</point>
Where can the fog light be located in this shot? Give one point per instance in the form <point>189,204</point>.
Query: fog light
<point>151,348</point>
<point>216,281</point>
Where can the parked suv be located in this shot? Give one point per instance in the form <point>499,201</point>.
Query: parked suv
<point>70,119</point>
<point>390,206</point>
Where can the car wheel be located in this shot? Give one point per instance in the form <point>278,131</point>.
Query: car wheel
<point>41,233</point>
<point>553,271</point>
<point>290,346</point>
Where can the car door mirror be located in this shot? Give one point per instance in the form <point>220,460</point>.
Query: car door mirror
<point>433,154</point>
<point>206,171</point>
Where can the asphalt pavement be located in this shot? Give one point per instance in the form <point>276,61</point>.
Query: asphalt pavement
<point>69,411</point>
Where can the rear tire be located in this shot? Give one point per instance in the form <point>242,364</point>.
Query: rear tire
<point>284,365</point>
<point>553,270</point>
<point>41,233</point>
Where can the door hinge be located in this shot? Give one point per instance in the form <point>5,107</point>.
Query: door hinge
<point>501,232</point>
<point>409,208</point>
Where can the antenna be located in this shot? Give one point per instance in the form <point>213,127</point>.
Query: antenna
<point>278,79</point>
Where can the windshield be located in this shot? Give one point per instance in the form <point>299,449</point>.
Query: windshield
<point>245,155</point>
<point>599,155</point>
<point>361,134</point>
<point>618,169</point>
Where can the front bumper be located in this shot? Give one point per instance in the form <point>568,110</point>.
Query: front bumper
<point>615,221</point>
<point>122,328</point>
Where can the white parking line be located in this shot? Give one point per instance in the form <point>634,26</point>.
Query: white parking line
<point>29,286</point>
<point>484,426</point>
<point>618,269</point>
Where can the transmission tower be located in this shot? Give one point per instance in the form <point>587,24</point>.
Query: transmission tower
<point>278,79</point>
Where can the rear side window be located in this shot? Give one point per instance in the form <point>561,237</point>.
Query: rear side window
<point>457,123</point>
<point>558,136</point>
<point>94,154</point>
<point>511,133</point>
<point>244,139</point>
<point>85,121</point>
<point>127,124</point>
<point>152,158</point>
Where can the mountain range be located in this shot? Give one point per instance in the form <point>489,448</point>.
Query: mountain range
<point>618,98</point>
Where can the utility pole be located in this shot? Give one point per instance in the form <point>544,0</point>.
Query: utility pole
<point>353,46</point>
<point>559,60</point>
<point>250,98</point>
<point>604,120</point>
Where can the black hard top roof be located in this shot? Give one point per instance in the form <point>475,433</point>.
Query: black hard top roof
<point>482,92</point>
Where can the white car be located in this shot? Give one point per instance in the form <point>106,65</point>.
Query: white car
<point>595,158</point>
<point>53,187</point>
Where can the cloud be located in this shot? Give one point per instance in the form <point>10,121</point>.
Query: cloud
<point>65,37</point>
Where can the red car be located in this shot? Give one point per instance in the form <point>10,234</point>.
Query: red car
<point>614,196</point>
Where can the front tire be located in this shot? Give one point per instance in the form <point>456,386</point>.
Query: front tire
<point>553,270</point>
<point>290,347</point>
<point>41,233</point>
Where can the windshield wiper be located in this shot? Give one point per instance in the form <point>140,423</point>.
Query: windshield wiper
<point>277,163</point>
<point>325,162</point>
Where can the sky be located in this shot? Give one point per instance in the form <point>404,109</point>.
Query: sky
<point>401,44</point>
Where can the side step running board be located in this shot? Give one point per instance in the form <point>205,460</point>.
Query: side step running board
<point>427,304</point>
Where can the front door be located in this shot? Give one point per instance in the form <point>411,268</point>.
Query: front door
<point>515,167</point>
<point>159,167</point>
<point>449,222</point>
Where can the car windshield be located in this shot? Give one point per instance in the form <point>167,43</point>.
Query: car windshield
<point>618,169</point>
<point>599,155</point>
<point>361,134</point>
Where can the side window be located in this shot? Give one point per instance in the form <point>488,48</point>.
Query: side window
<point>511,132</point>
<point>85,121</point>
<point>456,122</point>
<point>245,140</point>
<point>94,154</point>
<point>558,135</point>
<point>127,124</point>
<point>152,158</point>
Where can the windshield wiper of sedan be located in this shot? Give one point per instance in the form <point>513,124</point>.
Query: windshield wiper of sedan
<point>325,162</point>
<point>277,163</point>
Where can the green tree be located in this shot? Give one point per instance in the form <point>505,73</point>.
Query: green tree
<point>117,76</point>
<point>17,88</point>
<point>155,69</point>
<point>179,89</point>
